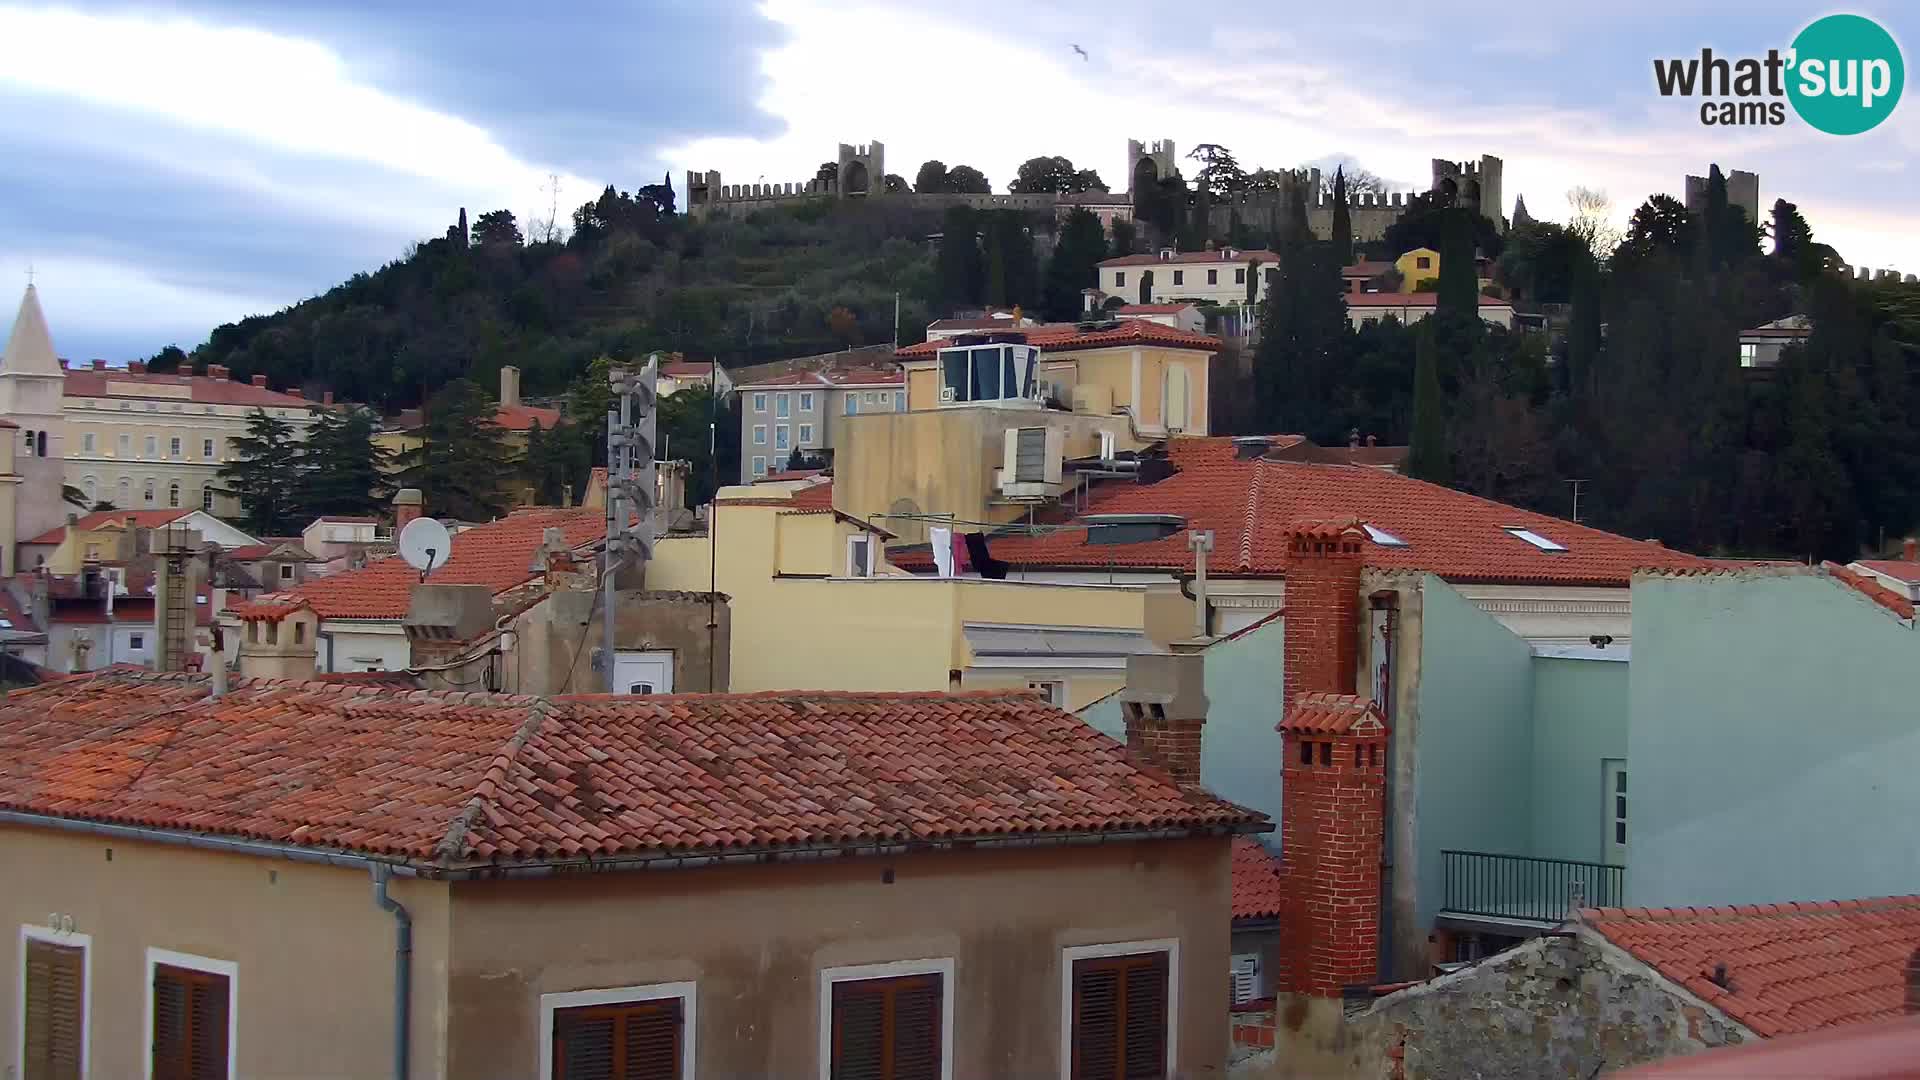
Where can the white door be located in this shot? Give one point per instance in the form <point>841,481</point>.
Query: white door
<point>643,672</point>
<point>1616,812</point>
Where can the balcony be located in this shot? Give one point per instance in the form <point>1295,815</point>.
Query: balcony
<point>1522,889</point>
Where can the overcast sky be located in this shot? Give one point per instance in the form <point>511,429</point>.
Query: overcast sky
<point>172,166</point>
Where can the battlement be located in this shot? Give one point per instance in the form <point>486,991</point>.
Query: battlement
<point>1743,191</point>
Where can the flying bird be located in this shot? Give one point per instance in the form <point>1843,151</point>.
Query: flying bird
<point>1083,53</point>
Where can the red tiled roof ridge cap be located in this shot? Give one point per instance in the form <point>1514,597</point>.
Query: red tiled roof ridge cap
<point>1602,915</point>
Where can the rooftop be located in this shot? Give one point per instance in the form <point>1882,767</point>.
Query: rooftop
<point>1256,880</point>
<point>139,519</point>
<point>1250,502</point>
<point>505,417</point>
<point>1788,968</point>
<point>1366,269</point>
<point>453,780</point>
<point>1899,569</point>
<point>1062,337</point>
<point>1151,309</point>
<point>202,389</point>
<point>1222,255</point>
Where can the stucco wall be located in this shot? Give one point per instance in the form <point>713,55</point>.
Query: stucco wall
<point>1772,742</point>
<point>1002,916</point>
<point>1579,721</point>
<point>314,987</point>
<point>1473,756</point>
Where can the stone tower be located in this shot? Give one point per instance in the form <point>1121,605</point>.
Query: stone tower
<point>863,169</point>
<point>1165,161</point>
<point>1743,191</point>
<point>1471,185</point>
<point>32,396</point>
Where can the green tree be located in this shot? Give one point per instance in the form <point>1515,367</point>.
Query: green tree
<point>1123,238</point>
<point>895,184</point>
<point>1057,174</point>
<point>961,272</point>
<point>342,469</point>
<point>464,457</point>
<point>545,467</point>
<point>497,227</point>
<point>1583,327</point>
<point>1304,339</point>
<point>265,473</point>
<point>1074,266</point>
<point>967,180</point>
<point>682,425</point>
<point>1220,175</point>
<point>932,178</point>
<point>1342,220</point>
<point>167,360</point>
<point>1459,293</point>
<point>1299,232</point>
<point>1427,448</point>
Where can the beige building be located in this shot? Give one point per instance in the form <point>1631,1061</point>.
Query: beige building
<point>450,885</point>
<point>1364,308</point>
<point>1206,277</point>
<point>803,404</point>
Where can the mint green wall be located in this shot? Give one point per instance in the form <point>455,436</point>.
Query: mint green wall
<point>1240,748</point>
<point>1579,720</point>
<point>1474,746</point>
<point>1773,741</point>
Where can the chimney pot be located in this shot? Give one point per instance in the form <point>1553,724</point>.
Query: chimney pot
<point>1165,705</point>
<point>1373,440</point>
<point>136,367</point>
<point>99,365</point>
<point>1910,549</point>
<point>509,386</point>
<point>218,371</point>
<point>407,504</point>
<point>260,380</point>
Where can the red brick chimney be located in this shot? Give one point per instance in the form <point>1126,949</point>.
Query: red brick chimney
<point>407,505</point>
<point>1165,705</point>
<point>1910,549</point>
<point>136,367</point>
<point>218,371</point>
<point>259,380</point>
<point>1333,775</point>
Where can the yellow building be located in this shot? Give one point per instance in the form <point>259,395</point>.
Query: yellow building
<point>993,419</point>
<point>815,606</point>
<point>1417,266</point>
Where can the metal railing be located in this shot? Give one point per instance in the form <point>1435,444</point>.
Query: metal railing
<point>1522,887</point>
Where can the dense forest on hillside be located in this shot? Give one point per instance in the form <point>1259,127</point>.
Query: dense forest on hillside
<point>1638,393</point>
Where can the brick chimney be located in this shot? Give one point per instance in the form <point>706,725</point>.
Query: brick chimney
<point>136,367</point>
<point>99,365</point>
<point>260,380</point>
<point>218,371</point>
<point>1910,549</point>
<point>509,386</point>
<point>1165,705</point>
<point>1333,773</point>
<point>407,503</point>
<point>326,397</point>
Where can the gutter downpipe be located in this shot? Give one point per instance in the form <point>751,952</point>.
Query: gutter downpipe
<point>402,968</point>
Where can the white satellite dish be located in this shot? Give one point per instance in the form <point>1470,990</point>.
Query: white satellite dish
<point>425,545</point>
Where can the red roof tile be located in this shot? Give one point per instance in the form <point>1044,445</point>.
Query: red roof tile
<point>1871,589</point>
<point>1256,880</point>
<point>1333,714</point>
<point>1365,269</point>
<point>497,555</point>
<point>1184,257</point>
<point>1886,1050</point>
<point>522,417</point>
<point>1063,338</point>
<point>453,779</point>
<point>1248,504</point>
<point>1151,309</point>
<point>1789,967</point>
<point>143,519</point>
<point>267,610</point>
<point>1898,569</point>
<point>203,389</point>
<point>815,497</point>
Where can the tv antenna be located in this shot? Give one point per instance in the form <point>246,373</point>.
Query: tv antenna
<point>425,545</point>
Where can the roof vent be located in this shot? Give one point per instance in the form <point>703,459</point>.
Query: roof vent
<point>1131,528</point>
<point>1166,254</point>
<point>1247,447</point>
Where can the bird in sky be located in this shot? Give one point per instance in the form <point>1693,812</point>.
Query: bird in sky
<point>1083,53</point>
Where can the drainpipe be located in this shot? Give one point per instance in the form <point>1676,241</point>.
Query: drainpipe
<point>402,968</point>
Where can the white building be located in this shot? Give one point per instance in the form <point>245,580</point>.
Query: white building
<point>1205,277</point>
<point>1364,308</point>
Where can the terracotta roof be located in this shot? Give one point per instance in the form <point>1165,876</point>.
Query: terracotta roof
<point>1411,300</point>
<point>1186,257</point>
<point>1366,269</point>
<point>784,475</point>
<point>981,322</point>
<point>1249,502</point>
<point>814,497</point>
<point>202,389</point>
<point>1333,714</point>
<point>522,417</point>
<point>1256,880</point>
<point>457,779</point>
<point>1898,569</point>
<point>681,369</point>
<point>1789,967</point>
<point>290,549</point>
<point>496,555</point>
<point>1151,309</point>
<point>849,375</point>
<point>143,519</point>
<point>1871,589</point>
<point>1886,1050</point>
<point>1063,337</point>
<point>267,610</point>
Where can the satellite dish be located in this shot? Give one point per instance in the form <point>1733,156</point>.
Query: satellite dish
<point>425,545</point>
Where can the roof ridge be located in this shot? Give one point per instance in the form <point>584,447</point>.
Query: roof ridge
<point>1253,514</point>
<point>454,844</point>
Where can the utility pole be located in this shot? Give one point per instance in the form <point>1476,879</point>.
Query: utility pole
<point>1575,485</point>
<point>631,492</point>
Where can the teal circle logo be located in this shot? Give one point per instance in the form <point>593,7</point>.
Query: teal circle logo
<point>1846,74</point>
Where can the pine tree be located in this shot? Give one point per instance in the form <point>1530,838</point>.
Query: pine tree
<point>545,465</point>
<point>1342,220</point>
<point>464,458</point>
<point>342,469</point>
<point>1427,449</point>
<point>265,474</point>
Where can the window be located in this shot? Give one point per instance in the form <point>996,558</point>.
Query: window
<point>1423,262</point>
<point>806,434</point>
<point>125,405</point>
<point>852,403</point>
<point>126,445</point>
<point>253,633</point>
<point>759,466</point>
<point>806,402</point>
<point>1383,537</point>
<point>1240,276</point>
<point>40,444</point>
<point>173,494</point>
<point>759,403</point>
<point>87,488</point>
<point>781,437</point>
<point>53,1009</point>
<point>759,434</point>
<point>1749,353</point>
<point>86,443</point>
<point>887,1021</point>
<point>146,492</point>
<point>782,405</point>
<point>299,633</point>
<point>1054,690</point>
<point>899,401</point>
<point>123,487</point>
<point>153,446</point>
<point>872,398</point>
<point>206,449</point>
<point>1534,538</point>
<point>1179,277</point>
<point>1615,772</point>
<point>1213,277</point>
<point>985,373</point>
<point>206,499</point>
<point>1118,999</point>
<point>626,1033</point>
<point>859,556</point>
<point>173,447</point>
<point>136,642</point>
<point>190,1028</point>
<point>286,571</point>
<point>273,633</point>
<point>1119,278</point>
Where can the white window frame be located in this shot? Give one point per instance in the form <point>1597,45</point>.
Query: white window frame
<point>156,957</point>
<point>86,443</point>
<point>206,449</point>
<point>942,966</point>
<point>152,446</point>
<point>1749,354</point>
<point>872,555</point>
<point>1528,536</point>
<point>1119,279</point>
<point>759,466</point>
<point>782,405</point>
<point>1170,946</point>
<point>806,401</point>
<point>805,435</point>
<point>1054,689</point>
<point>782,437</point>
<point>852,402</point>
<point>68,938</point>
<point>899,401</point>
<point>759,434</point>
<point>760,402</point>
<point>622,995</point>
<point>176,447</point>
<point>126,445</point>
<point>872,398</point>
<point>206,498</point>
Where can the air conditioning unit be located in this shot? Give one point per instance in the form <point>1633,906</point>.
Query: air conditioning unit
<point>1246,977</point>
<point>1032,461</point>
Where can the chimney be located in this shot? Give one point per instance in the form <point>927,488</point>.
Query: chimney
<point>260,380</point>
<point>99,365</point>
<point>509,386</point>
<point>218,371</point>
<point>136,367</point>
<point>407,503</point>
<point>1913,984</point>
<point>1373,440</point>
<point>1322,609</point>
<point>1910,549</point>
<point>326,397</point>
<point>1165,704</point>
<point>1353,439</point>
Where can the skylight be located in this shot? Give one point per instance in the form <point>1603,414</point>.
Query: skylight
<point>1535,539</point>
<point>1383,537</point>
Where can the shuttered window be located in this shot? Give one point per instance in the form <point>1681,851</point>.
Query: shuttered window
<point>887,1029</point>
<point>54,1010</point>
<point>634,1040</point>
<point>189,1024</point>
<point>1120,1017</point>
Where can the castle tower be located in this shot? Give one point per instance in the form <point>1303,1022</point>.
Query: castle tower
<point>863,170</point>
<point>32,389</point>
<point>1161,155</point>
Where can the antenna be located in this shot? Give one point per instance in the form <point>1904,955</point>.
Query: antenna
<point>425,545</point>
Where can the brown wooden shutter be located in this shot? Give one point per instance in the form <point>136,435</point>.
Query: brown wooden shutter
<point>189,1024</point>
<point>637,1040</point>
<point>887,1029</point>
<point>1120,1017</point>
<point>54,1010</point>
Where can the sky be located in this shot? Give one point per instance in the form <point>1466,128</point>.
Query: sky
<point>166,167</point>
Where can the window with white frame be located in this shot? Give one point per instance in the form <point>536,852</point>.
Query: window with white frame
<point>759,466</point>
<point>891,1021</point>
<point>55,988</point>
<point>782,406</point>
<point>1534,538</point>
<point>759,434</point>
<point>86,443</point>
<point>174,447</point>
<point>1118,1002</point>
<point>759,403</point>
<point>622,1033</point>
<point>782,437</point>
<point>286,571</point>
<point>173,494</point>
<point>872,398</point>
<point>153,446</point>
<point>806,401</point>
<point>852,402</point>
<point>206,498</point>
<point>124,488</point>
<point>126,445</point>
<point>899,401</point>
<point>1749,353</point>
<point>190,1029</point>
<point>206,449</point>
<point>860,554</point>
<point>136,642</point>
<point>1054,690</point>
<point>146,493</point>
<point>806,434</point>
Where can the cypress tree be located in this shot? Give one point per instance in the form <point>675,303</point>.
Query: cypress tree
<point>1583,328</point>
<point>1459,294</point>
<point>1342,220</point>
<point>959,269</point>
<point>1298,231</point>
<point>1427,449</point>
